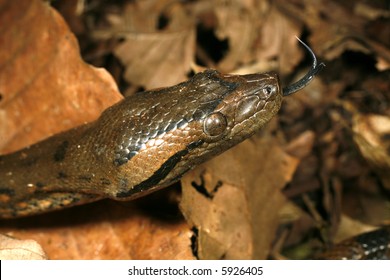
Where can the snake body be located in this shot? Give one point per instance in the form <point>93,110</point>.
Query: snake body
<point>144,143</point>
<point>139,145</point>
<point>372,245</point>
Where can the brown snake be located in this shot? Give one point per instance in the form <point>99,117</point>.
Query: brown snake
<point>143,143</point>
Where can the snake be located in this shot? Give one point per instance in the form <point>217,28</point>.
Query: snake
<point>143,143</point>
<point>371,245</point>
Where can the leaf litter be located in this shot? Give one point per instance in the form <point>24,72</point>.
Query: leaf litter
<point>318,173</point>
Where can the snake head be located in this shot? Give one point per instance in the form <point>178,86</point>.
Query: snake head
<point>192,122</point>
<point>174,129</point>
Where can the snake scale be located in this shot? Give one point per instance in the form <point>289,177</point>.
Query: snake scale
<point>147,142</point>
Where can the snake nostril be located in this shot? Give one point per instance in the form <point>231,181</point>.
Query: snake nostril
<point>269,90</point>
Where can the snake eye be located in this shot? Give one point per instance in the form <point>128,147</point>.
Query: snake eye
<point>215,124</point>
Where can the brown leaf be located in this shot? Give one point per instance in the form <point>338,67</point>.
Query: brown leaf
<point>325,19</point>
<point>284,46</point>
<point>108,230</point>
<point>250,29</point>
<point>238,217</point>
<point>155,58</point>
<point>45,87</point>
<point>236,24</point>
<point>332,182</point>
<point>349,228</point>
<point>302,145</point>
<point>369,134</point>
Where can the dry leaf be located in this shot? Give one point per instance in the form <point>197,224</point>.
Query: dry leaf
<point>350,227</point>
<point>152,57</point>
<point>302,145</point>
<point>14,249</point>
<point>277,39</point>
<point>237,25</point>
<point>39,57</point>
<point>369,134</point>
<point>256,31</point>
<point>145,66</point>
<point>45,87</point>
<point>337,27</point>
<point>238,217</point>
<point>108,230</point>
